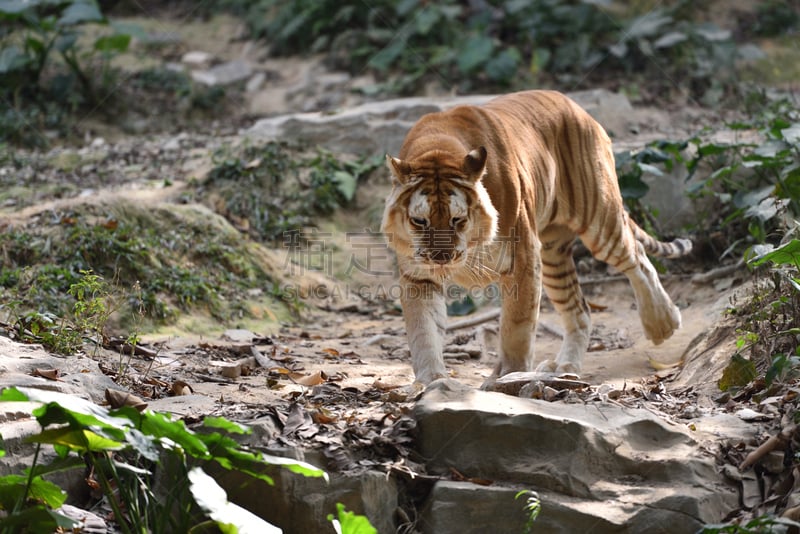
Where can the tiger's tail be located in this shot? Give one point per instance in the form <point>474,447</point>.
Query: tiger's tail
<point>673,249</point>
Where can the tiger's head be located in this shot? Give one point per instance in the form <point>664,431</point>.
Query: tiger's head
<point>439,211</point>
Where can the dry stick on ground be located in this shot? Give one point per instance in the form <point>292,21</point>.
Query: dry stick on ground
<point>491,315</point>
<point>262,360</point>
<point>792,513</point>
<point>719,272</point>
<point>128,348</point>
<point>776,442</point>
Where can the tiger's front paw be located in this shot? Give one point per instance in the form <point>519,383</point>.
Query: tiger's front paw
<point>547,366</point>
<point>447,384</point>
<point>661,323</point>
<point>426,376</point>
<point>564,368</point>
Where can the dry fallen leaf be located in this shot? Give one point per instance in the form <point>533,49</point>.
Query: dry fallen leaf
<point>179,387</point>
<point>660,366</point>
<point>313,379</point>
<point>331,352</point>
<point>462,478</point>
<point>596,307</point>
<point>50,374</point>
<point>383,386</point>
<point>118,399</point>
<point>321,416</point>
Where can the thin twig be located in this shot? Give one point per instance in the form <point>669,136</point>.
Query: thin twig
<point>491,315</point>
<point>719,272</point>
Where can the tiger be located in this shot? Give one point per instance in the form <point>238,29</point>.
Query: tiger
<point>498,193</point>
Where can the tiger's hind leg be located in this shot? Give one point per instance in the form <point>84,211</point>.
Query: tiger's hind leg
<point>616,245</point>
<point>560,281</point>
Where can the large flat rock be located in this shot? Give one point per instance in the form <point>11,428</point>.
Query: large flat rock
<point>619,469</point>
<point>379,127</point>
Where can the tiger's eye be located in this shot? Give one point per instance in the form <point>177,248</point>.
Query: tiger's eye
<point>455,221</point>
<point>419,221</point>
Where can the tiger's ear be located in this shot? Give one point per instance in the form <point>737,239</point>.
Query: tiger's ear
<point>400,169</point>
<point>475,163</point>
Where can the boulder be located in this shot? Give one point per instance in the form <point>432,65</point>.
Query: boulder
<point>224,74</point>
<point>379,127</point>
<point>613,468</point>
<point>299,505</point>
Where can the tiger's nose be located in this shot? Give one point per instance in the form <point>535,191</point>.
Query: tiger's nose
<point>441,256</point>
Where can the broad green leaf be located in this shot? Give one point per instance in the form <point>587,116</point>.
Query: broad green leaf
<point>80,12</point>
<point>37,45</point>
<point>631,186</point>
<point>404,7</point>
<point>229,455</point>
<point>129,28</point>
<point>504,65</point>
<point>66,41</point>
<point>766,209</point>
<point>12,58</point>
<point>295,466</point>
<point>670,39</point>
<point>786,254</point>
<point>711,149</point>
<point>131,468</point>
<point>143,444</point>
<point>792,133</point>
<point>346,184</point>
<point>15,7</point>
<point>712,32</point>
<point>459,308</point>
<point>771,149</point>
<point>212,499</point>
<point>647,25</point>
<point>747,199</point>
<point>162,426</point>
<point>117,42</point>
<point>59,465</point>
<point>475,53</point>
<point>36,519</point>
<point>59,408</point>
<point>427,18</point>
<point>12,395</point>
<point>659,154</point>
<point>350,523</point>
<point>652,169</point>
<point>81,440</point>
<point>227,425</point>
<point>738,373</point>
<point>12,488</point>
<point>386,57</point>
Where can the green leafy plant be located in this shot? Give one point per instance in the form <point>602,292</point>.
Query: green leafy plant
<point>122,449</point>
<point>350,523</point>
<point>93,305</point>
<point>742,188</point>
<point>533,507</point>
<point>174,269</point>
<point>36,86</point>
<point>701,54</point>
<point>759,525</point>
<point>278,190</point>
<point>408,43</point>
<point>769,321</point>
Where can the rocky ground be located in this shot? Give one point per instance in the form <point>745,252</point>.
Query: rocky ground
<point>642,441</point>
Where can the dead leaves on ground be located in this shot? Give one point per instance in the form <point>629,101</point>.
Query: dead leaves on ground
<point>353,429</point>
<point>361,428</point>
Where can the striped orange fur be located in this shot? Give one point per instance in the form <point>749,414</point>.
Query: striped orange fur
<point>498,193</point>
